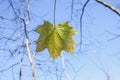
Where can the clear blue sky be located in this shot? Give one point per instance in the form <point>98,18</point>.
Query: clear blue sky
<point>97,52</point>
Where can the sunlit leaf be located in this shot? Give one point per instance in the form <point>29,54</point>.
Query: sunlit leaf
<point>55,39</point>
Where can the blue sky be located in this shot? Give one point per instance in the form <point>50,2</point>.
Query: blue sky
<point>97,53</point>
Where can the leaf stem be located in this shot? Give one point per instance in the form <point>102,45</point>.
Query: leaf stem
<point>54,12</point>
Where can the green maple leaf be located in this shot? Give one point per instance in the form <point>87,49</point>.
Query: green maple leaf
<point>55,39</point>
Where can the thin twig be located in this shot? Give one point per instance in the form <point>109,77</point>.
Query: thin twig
<point>115,36</point>
<point>12,34</point>
<point>109,6</point>
<point>54,12</point>
<point>9,67</point>
<point>72,7</point>
<point>28,9</point>
<point>64,68</point>
<point>13,8</point>
<point>3,18</point>
<point>107,74</point>
<point>20,73</point>
<point>81,25</point>
<point>103,69</point>
<point>13,74</point>
<point>29,4</point>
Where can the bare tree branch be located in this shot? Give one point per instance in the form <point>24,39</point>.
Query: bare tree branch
<point>109,6</point>
<point>28,50</point>
<point>25,23</point>
<point>64,68</point>
<point>81,25</point>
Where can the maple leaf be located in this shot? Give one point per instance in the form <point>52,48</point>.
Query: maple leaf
<point>55,39</point>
